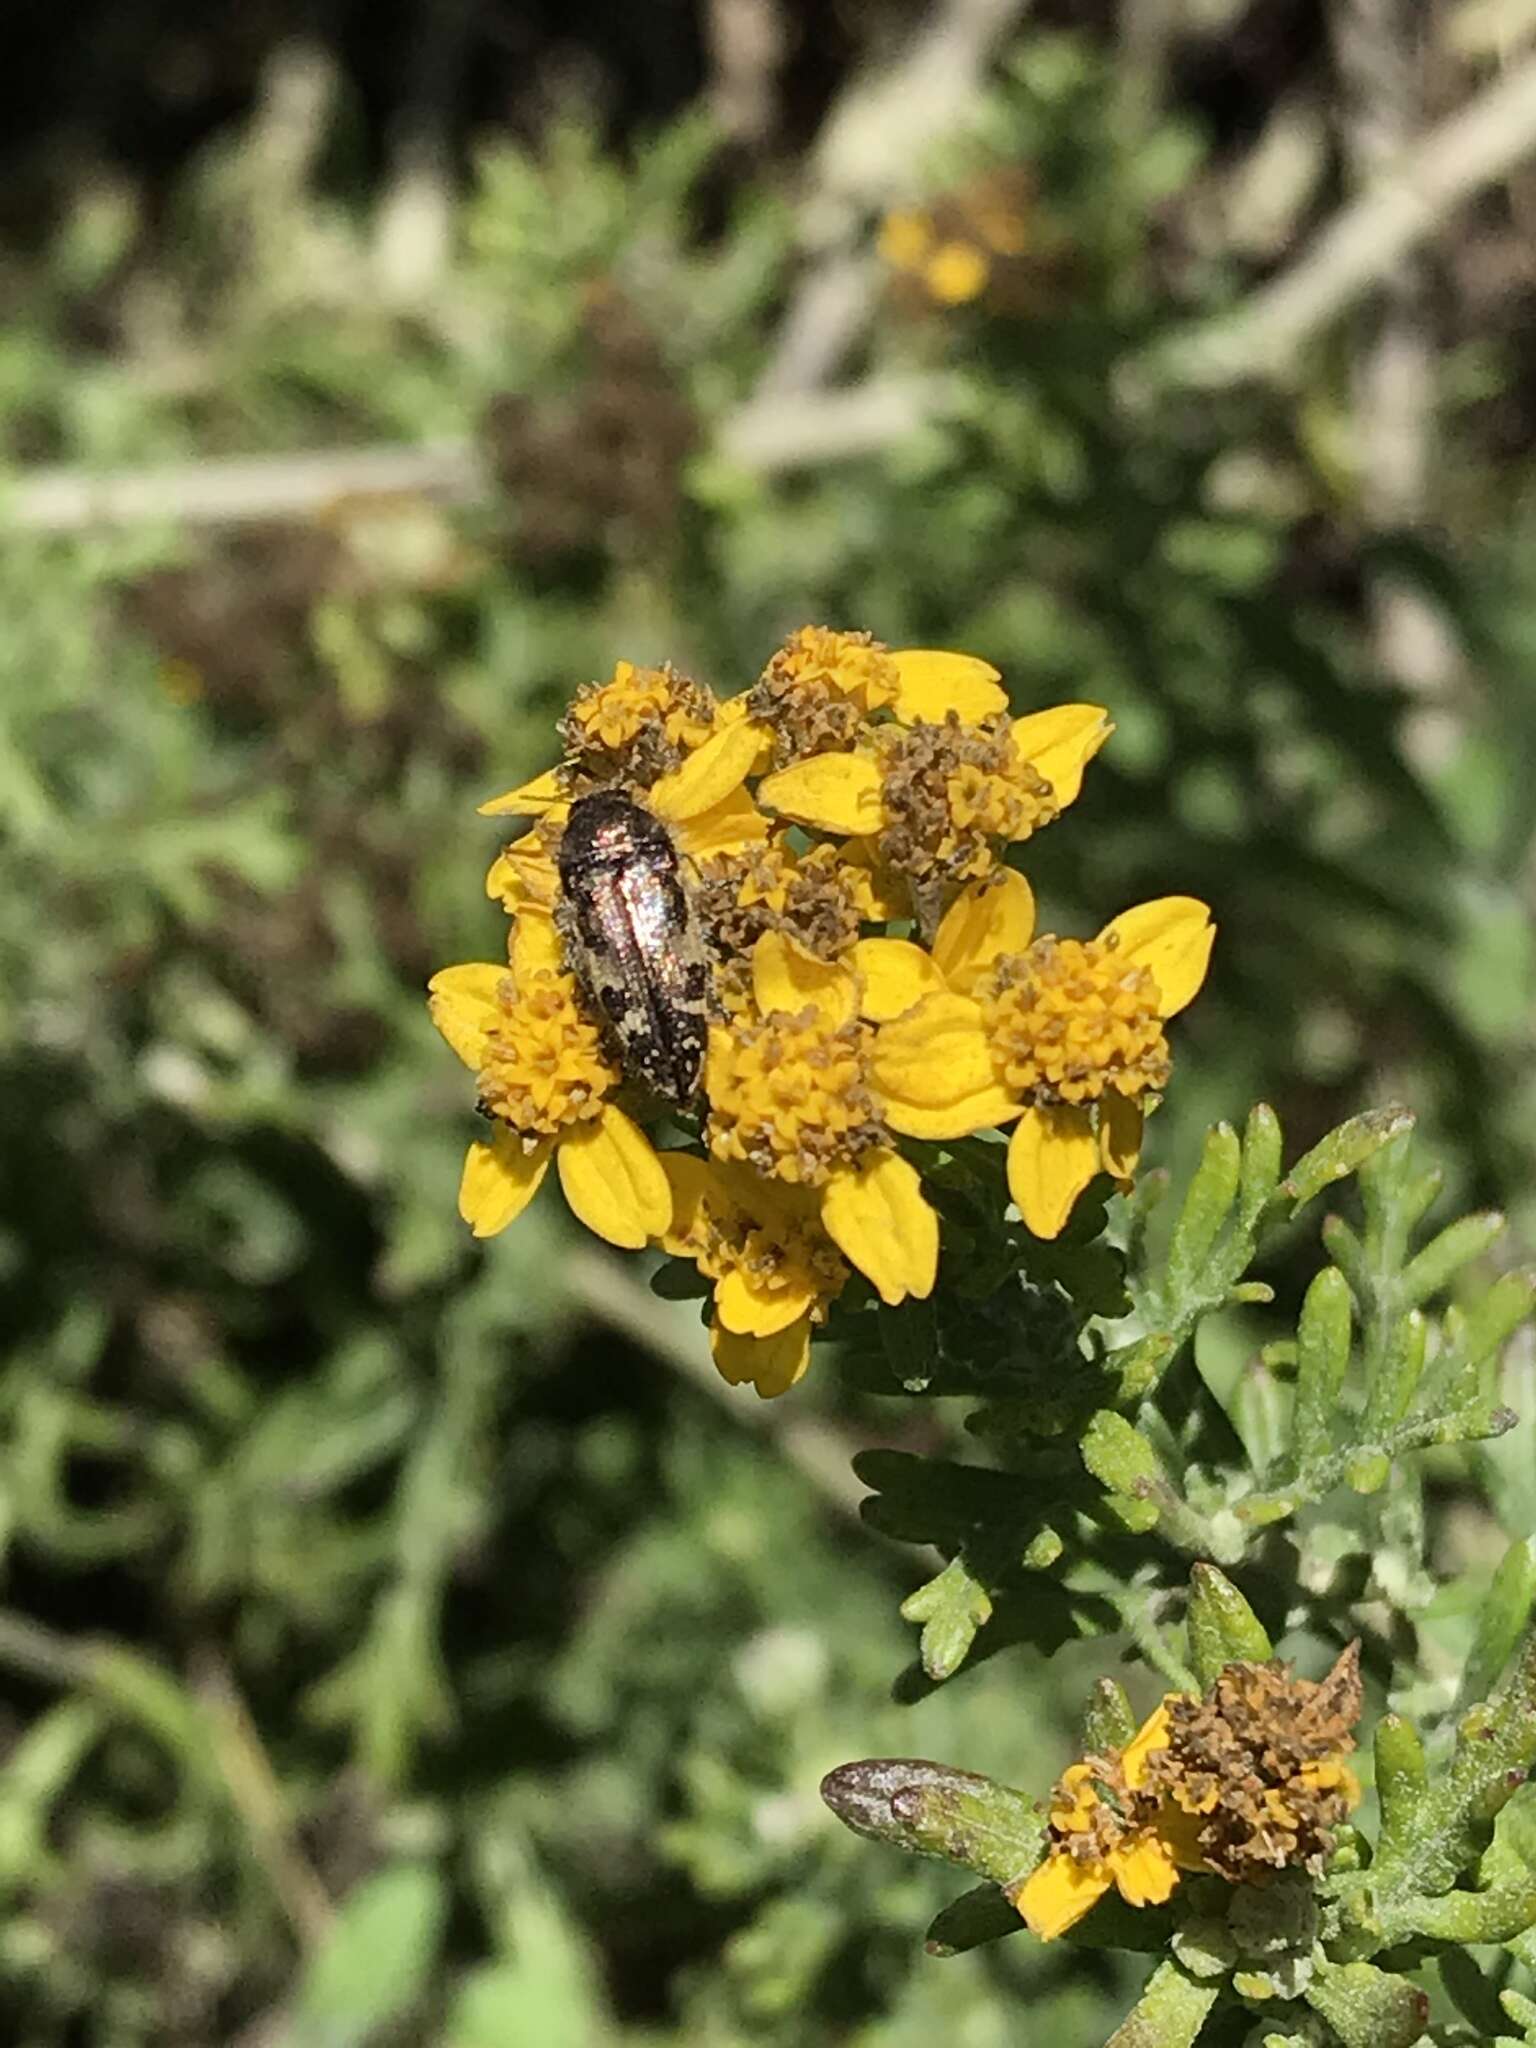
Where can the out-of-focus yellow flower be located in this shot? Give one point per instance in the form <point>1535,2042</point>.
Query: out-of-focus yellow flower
<point>1063,1038</point>
<point>1105,1836</point>
<point>956,273</point>
<point>773,1265</point>
<point>941,799</point>
<point>547,1084</point>
<point>790,1096</point>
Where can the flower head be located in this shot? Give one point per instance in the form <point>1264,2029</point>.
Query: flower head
<point>942,797</point>
<point>1063,1038</point>
<point>790,1096</point>
<point>1245,1781</point>
<point>774,1268</point>
<point>546,1084</point>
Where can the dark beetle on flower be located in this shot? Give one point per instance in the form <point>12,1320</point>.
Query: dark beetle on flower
<point>632,939</point>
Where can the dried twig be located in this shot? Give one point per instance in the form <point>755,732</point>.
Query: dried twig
<point>1360,248</point>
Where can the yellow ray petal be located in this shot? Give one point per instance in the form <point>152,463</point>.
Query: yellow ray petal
<point>883,893</point>
<point>614,1181</point>
<point>1061,742</point>
<point>523,873</point>
<point>877,1216</point>
<point>462,1004</point>
<point>754,1311</point>
<point>985,921</point>
<point>786,977</point>
<point>1172,938</point>
<point>834,792</point>
<point>1055,1896</point>
<point>982,1111</point>
<point>710,774</point>
<point>730,826</point>
<point>1052,1156</point>
<point>1153,1735</point>
<point>693,1183</point>
<point>932,684</point>
<point>500,1180</point>
<point>772,1364</point>
<point>936,1058</point>
<point>893,974</point>
<point>1120,1126</point>
<point>536,944</point>
<point>1146,1873</point>
<point>530,799</point>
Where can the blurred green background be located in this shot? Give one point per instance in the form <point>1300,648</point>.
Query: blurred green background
<point>403,1641</point>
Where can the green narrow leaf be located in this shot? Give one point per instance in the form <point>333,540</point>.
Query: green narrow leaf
<point>929,1809</point>
<point>1503,1618</point>
<point>1223,1628</point>
<point>1169,2013</point>
<point>1367,2007</point>
<point>1260,1175</point>
<point>1343,1152</point>
<point>1322,1359</point>
<point>1108,1720</point>
<point>1390,1394</point>
<point>1118,1455</point>
<point>1206,1209</point>
<point>1402,1785</point>
<point>1444,1256</point>
<point>978,1916</point>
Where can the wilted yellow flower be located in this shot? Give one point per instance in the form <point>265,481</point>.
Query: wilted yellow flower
<point>1105,1835</point>
<point>773,1265</point>
<point>546,1082</point>
<point>1062,1038</point>
<point>940,800</point>
<point>790,1096</point>
<point>822,690</point>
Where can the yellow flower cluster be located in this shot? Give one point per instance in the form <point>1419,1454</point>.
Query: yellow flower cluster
<point>1243,1781</point>
<point>841,831</point>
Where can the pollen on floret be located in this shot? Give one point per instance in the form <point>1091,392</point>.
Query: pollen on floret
<point>952,794</point>
<point>818,691</point>
<point>815,898</point>
<point>790,1095</point>
<point>544,1066</point>
<point>1068,1020</point>
<point>1259,1763</point>
<point>635,728</point>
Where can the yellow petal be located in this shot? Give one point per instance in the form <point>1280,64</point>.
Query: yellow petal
<point>894,974</point>
<point>985,921</point>
<point>933,1070</point>
<point>1120,1126</point>
<point>1052,1156</point>
<point>772,1364</point>
<point>500,1180</point>
<point>1146,1873</point>
<point>530,799</point>
<point>879,1219</point>
<point>730,826</point>
<point>748,1310</point>
<point>1172,939</point>
<point>693,1184</point>
<point>786,977</point>
<point>524,873</point>
<point>1060,743</point>
<point>614,1181</point>
<point>1153,1734</point>
<point>834,792</point>
<point>932,684</point>
<point>710,774</point>
<point>462,1003</point>
<point>536,944</point>
<point>1055,1896</point>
